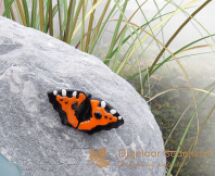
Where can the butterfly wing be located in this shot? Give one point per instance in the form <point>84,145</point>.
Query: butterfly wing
<point>72,105</point>
<point>79,110</point>
<point>103,117</point>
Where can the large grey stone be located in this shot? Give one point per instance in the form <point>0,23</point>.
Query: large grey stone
<point>32,136</point>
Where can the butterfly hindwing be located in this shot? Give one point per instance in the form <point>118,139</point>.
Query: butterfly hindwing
<point>80,110</point>
<point>103,117</point>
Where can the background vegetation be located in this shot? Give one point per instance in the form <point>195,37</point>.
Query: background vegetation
<point>141,53</point>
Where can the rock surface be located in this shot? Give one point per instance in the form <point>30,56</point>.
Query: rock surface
<point>32,136</point>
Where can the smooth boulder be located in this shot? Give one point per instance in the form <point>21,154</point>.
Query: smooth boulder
<point>32,136</point>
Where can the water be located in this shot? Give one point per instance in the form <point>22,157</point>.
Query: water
<point>8,168</point>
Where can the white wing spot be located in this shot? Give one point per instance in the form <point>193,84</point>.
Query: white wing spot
<point>55,92</point>
<point>64,92</point>
<point>103,104</point>
<point>74,93</point>
<point>120,117</point>
<point>112,111</point>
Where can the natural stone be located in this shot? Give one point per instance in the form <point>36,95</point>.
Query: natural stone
<point>32,136</point>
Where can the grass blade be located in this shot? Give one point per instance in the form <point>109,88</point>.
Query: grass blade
<point>101,27</point>
<point>167,59</point>
<point>183,139</point>
<point>87,15</point>
<point>50,17</point>
<point>91,20</point>
<point>54,10</point>
<point>194,19</point>
<point>83,25</point>
<point>131,17</point>
<point>180,88</point>
<point>117,55</point>
<point>25,6</point>
<point>41,14</point>
<point>7,7</point>
<point>176,33</point>
<point>12,14</point>
<point>60,19</point>
<point>191,147</point>
<point>137,44</point>
<point>46,20</point>
<point>75,19</point>
<point>65,13</point>
<point>21,12</point>
<point>70,16</point>
<point>34,13</point>
<point>99,23</point>
<point>112,45</point>
<point>177,52</point>
<point>180,145</point>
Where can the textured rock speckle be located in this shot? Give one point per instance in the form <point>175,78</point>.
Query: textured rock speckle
<point>7,45</point>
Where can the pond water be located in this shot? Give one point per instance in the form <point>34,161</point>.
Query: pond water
<point>8,168</point>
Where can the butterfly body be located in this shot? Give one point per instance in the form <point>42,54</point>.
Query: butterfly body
<point>81,111</point>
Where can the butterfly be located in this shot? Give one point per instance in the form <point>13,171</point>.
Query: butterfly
<point>79,110</point>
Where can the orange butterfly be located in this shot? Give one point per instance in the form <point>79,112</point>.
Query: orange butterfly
<point>81,111</point>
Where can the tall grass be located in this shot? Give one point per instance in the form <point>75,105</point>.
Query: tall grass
<point>83,24</point>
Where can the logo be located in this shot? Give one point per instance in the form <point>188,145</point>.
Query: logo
<point>99,157</point>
